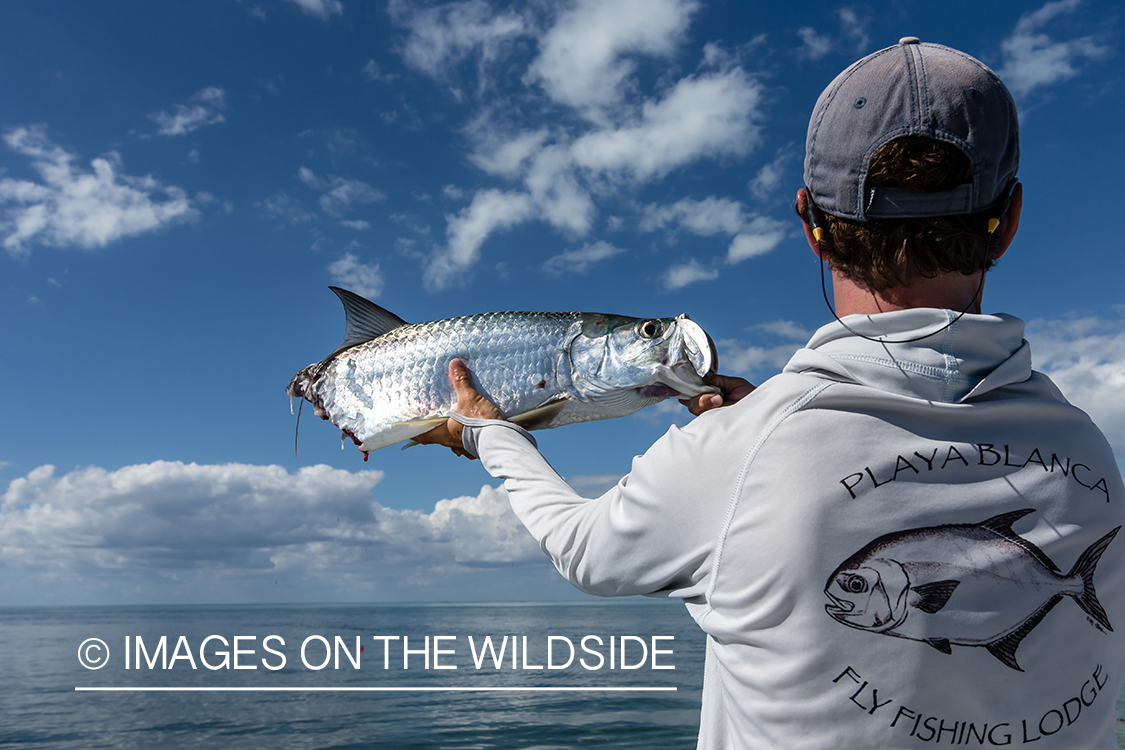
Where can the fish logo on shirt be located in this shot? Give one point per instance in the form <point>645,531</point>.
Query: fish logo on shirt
<point>942,585</point>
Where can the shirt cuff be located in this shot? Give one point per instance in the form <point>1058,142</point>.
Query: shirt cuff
<point>473,426</point>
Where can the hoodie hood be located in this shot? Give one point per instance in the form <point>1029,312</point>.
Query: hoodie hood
<point>966,360</point>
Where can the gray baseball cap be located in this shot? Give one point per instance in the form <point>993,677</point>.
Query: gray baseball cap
<point>911,89</point>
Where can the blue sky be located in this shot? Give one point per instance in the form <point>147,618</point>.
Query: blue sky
<point>179,183</point>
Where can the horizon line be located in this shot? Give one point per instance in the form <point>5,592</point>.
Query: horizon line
<point>367,689</point>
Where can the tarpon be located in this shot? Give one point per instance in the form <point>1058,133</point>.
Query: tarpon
<point>388,382</point>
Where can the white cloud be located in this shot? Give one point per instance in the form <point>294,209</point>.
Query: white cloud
<point>322,9</point>
<point>204,108</point>
<point>372,71</point>
<point>854,27</point>
<point>411,222</point>
<point>583,59</point>
<point>706,217</point>
<point>483,529</point>
<point>767,181</point>
<point>813,45</point>
<point>560,173</point>
<point>1085,357</point>
<point>170,521</point>
<point>703,116</point>
<point>364,279</point>
<point>751,235</point>
<point>444,35</point>
<point>580,260</point>
<point>76,207</point>
<point>761,235</point>
<point>341,194</point>
<point>491,210</point>
<point>285,207</point>
<point>1032,59</point>
<point>682,274</point>
<point>504,155</point>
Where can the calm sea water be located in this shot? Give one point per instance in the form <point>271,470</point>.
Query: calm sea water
<point>39,706</point>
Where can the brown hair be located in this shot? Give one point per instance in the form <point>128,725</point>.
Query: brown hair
<point>885,253</point>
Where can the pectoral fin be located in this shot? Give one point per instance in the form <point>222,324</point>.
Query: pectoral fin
<point>941,644</point>
<point>539,418</point>
<point>934,596</point>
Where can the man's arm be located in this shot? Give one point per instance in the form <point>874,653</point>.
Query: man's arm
<point>655,531</point>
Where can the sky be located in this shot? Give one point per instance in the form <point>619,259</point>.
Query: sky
<point>181,182</point>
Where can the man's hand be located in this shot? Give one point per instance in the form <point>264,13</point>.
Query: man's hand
<point>469,404</point>
<point>733,389</point>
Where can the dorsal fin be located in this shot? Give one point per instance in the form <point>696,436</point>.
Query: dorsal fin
<point>1002,525</point>
<point>364,320</point>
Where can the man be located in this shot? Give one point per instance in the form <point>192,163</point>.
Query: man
<point>907,537</point>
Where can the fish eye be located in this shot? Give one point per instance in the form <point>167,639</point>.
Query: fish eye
<point>650,329</point>
<point>853,584</point>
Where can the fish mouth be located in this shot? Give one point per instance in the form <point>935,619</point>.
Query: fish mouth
<point>682,381</point>
<point>689,378</point>
<point>839,607</point>
<point>700,348</point>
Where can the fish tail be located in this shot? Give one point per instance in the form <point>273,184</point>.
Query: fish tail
<point>1084,568</point>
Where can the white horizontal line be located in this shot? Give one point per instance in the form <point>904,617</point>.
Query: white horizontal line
<point>368,689</point>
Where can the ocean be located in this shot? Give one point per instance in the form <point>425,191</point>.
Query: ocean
<point>551,676</point>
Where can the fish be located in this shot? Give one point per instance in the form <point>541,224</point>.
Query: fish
<point>961,584</point>
<point>387,382</point>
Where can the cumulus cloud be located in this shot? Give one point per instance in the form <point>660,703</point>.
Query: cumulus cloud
<point>1033,59</point>
<point>751,234</point>
<point>170,519</point>
<point>286,208</point>
<point>491,210</point>
<point>705,217</point>
<point>767,181</point>
<point>758,236</point>
<point>203,109</point>
<point>813,44</point>
<point>443,36</point>
<point>713,114</point>
<point>1085,357</point>
<point>709,115</point>
<point>340,194</point>
<point>584,59</point>
<point>364,279</point>
<point>854,27</point>
<point>322,9</point>
<point>372,71</point>
<point>682,274</point>
<point>582,259</point>
<point>766,349</point>
<point>607,133</point>
<point>72,206</point>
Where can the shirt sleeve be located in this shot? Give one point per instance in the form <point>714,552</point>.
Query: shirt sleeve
<point>653,533</point>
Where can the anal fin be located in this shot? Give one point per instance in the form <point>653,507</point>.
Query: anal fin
<point>1004,648</point>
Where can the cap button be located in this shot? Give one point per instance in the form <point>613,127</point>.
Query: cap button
<point>909,40</point>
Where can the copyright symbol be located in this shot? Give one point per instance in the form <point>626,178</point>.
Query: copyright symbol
<point>93,653</point>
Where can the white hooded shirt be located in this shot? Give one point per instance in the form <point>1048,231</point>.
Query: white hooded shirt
<point>888,545</point>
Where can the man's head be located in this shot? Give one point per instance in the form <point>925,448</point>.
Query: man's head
<point>910,151</point>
